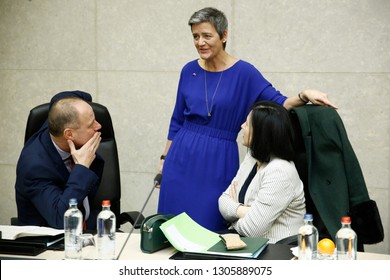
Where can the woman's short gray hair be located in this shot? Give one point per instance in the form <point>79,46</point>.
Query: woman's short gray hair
<point>213,16</point>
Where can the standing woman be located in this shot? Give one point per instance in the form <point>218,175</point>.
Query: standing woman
<point>215,94</point>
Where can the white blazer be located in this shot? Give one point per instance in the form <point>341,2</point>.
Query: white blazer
<point>275,197</point>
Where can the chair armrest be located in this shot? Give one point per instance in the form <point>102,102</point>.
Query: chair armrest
<point>290,240</point>
<point>14,221</point>
<point>131,217</point>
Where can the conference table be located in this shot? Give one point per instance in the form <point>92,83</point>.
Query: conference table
<point>132,251</point>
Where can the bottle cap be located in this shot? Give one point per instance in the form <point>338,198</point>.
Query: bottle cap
<point>72,201</point>
<point>308,217</point>
<point>346,220</point>
<point>106,203</point>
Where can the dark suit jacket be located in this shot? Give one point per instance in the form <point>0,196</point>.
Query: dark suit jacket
<point>335,180</point>
<point>44,185</point>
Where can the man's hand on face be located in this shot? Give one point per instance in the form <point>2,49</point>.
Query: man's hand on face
<point>87,153</point>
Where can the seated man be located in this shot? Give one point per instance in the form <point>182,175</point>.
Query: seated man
<point>59,162</point>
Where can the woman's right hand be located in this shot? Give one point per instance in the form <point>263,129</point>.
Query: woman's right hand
<point>242,210</point>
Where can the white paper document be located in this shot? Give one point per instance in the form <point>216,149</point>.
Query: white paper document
<point>14,232</point>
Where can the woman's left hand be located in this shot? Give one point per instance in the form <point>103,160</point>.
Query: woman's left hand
<point>317,97</point>
<point>233,191</point>
<point>242,210</point>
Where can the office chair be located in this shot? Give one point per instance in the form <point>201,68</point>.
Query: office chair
<point>301,164</point>
<point>289,240</point>
<point>110,186</point>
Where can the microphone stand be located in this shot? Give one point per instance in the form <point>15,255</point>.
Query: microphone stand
<point>157,180</point>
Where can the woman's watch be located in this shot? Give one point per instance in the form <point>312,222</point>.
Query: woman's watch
<point>301,98</point>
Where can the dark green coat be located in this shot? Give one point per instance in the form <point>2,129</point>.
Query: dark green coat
<point>335,180</point>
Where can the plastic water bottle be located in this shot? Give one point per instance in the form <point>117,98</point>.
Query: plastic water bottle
<point>346,241</point>
<point>106,227</point>
<point>73,219</point>
<point>307,239</point>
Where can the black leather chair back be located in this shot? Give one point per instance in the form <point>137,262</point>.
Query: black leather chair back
<point>35,120</point>
<point>110,187</point>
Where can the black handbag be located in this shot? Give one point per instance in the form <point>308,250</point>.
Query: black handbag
<point>367,223</point>
<point>152,238</point>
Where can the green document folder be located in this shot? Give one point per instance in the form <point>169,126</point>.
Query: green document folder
<point>188,236</point>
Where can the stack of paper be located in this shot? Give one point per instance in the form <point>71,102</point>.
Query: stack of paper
<point>29,240</point>
<point>14,232</point>
<point>188,236</point>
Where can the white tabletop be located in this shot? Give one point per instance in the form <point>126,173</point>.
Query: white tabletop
<point>132,251</point>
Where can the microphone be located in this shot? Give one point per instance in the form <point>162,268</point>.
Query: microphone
<point>156,181</point>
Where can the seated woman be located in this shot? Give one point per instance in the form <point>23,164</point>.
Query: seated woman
<point>266,198</point>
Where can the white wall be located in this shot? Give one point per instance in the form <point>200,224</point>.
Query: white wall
<point>128,55</point>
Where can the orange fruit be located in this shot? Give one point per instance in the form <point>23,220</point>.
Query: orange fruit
<point>326,246</point>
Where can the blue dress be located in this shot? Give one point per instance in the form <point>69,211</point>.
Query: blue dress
<point>203,157</point>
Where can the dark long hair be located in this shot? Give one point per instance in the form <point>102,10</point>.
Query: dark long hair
<point>272,132</point>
